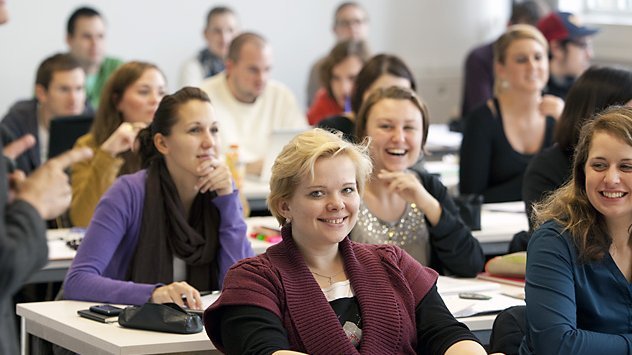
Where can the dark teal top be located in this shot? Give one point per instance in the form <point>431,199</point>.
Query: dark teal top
<point>574,308</point>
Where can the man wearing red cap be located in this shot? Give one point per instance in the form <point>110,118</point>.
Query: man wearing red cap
<point>570,48</point>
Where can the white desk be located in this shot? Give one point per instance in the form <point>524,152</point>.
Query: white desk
<point>499,222</point>
<point>441,140</point>
<point>256,192</point>
<point>480,325</point>
<point>59,323</point>
<point>60,255</point>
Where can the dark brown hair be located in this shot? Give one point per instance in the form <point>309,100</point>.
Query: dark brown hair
<point>373,69</point>
<point>52,64</point>
<point>166,116</point>
<point>77,14</point>
<point>339,54</point>
<point>595,90</point>
<point>216,11</point>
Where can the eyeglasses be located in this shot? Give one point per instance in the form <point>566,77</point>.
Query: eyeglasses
<point>350,23</point>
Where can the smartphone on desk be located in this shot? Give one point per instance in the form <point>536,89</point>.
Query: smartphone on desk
<point>106,310</point>
<point>86,313</point>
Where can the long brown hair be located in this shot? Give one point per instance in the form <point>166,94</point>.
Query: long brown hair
<point>108,118</point>
<point>569,206</point>
<point>340,53</point>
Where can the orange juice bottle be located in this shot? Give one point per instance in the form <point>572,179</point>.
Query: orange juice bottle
<point>234,164</point>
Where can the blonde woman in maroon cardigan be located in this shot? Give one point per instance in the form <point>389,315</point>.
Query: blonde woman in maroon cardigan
<point>318,292</point>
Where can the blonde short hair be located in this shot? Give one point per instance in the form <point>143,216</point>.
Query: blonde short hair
<point>297,160</point>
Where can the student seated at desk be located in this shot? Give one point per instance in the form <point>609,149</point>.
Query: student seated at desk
<point>192,228</point>
<point>595,90</point>
<point>337,73</point>
<point>579,269</point>
<point>381,71</point>
<point>502,135</point>
<point>128,103</point>
<point>409,208</point>
<point>317,291</point>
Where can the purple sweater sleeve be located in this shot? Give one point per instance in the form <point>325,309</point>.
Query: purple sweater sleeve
<point>234,244</point>
<point>103,259</point>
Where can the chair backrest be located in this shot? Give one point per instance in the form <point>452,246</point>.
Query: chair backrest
<point>64,132</point>
<point>508,330</point>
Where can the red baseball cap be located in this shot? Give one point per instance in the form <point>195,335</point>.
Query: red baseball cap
<point>563,25</point>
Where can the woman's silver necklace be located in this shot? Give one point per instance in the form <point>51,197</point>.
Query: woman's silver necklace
<point>329,278</point>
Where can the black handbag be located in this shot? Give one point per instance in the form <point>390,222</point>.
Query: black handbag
<point>166,317</point>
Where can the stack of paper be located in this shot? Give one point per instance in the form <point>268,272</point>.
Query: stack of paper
<point>208,300</point>
<point>465,307</point>
<point>450,286</point>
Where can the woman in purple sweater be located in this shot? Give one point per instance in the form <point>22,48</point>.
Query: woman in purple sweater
<point>191,235</point>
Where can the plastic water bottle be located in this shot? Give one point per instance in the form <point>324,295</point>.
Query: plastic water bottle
<point>235,165</point>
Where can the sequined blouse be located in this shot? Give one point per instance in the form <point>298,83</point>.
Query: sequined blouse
<point>410,232</point>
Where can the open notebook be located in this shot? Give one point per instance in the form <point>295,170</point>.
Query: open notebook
<point>452,286</point>
<point>460,307</point>
<point>207,301</point>
<point>449,289</point>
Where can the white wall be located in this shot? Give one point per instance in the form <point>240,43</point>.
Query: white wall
<point>432,37</point>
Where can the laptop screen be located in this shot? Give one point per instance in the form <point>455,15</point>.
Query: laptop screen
<point>278,140</point>
<point>64,132</point>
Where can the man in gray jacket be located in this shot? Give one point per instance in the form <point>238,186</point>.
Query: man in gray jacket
<point>24,204</point>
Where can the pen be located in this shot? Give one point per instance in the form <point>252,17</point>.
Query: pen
<point>519,296</point>
<point>474,296</point>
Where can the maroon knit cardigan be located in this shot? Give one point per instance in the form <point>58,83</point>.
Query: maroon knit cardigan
<point>387,282</point>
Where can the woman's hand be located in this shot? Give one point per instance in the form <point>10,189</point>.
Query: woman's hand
<point>551,106</point>
<point>408,187</point>
<point>214,175</point>
<point>405,184</point>
<point>178,293</point>
<point>123,138</point>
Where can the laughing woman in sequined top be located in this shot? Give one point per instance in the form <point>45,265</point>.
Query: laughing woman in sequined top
<point>404,207</point>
